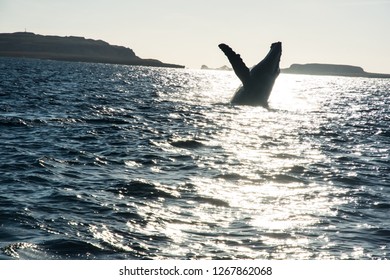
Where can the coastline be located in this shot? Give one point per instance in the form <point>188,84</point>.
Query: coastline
<point>74,49</point>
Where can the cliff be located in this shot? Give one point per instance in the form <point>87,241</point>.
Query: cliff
<point>24,44</point>
<point>331,70</point>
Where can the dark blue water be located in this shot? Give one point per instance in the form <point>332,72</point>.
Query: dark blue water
<point>119,162</point>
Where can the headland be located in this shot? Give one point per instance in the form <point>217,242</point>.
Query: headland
<point>80,49</point>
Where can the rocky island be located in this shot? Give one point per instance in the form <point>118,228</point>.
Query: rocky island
<point>30,45</point>
<point>224,68</point>
<point>331,70</point>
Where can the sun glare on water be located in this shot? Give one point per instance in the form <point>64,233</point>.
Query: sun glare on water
<point>260,191</point>
<point>155,163</point>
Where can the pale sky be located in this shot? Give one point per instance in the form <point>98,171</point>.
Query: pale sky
<point>354,32</point>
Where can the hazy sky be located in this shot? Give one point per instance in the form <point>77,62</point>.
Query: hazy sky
<point>354,32</point>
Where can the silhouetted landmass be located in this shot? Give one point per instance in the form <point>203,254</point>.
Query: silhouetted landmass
<point>331,70</point>
<point>30,45</point>
<point>224,67</point>
<point>320,69</point>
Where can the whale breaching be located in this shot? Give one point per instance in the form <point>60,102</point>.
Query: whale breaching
<point>257,82</point>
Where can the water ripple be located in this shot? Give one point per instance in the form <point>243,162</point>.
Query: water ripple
<point>118,162</point>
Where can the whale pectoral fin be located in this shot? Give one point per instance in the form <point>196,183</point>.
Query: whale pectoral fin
<point>239,67</point>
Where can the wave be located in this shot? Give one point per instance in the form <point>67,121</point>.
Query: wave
<point>57,249</point>
<point>19,122</point>
<point>141,189</point>
<point>211,201</point>
<point>187,144</point>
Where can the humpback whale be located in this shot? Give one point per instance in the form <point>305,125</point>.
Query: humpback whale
<point>257,82</point>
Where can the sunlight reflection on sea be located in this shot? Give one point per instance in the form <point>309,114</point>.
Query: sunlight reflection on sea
<point>154,163</point>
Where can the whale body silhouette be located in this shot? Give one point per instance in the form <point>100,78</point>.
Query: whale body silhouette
<point>257,83</point>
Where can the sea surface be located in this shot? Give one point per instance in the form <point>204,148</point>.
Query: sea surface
<point>123,162</point>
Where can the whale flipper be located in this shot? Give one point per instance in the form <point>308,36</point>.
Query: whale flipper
<point>239,67</point>
<point>257,82</point>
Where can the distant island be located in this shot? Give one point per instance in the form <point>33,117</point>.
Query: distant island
<point>320,69</point>
<point>224,67</point>
<point>331,70</point>
<point>30,45</point>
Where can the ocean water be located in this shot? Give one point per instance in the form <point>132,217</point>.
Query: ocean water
<point>121,162</point>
